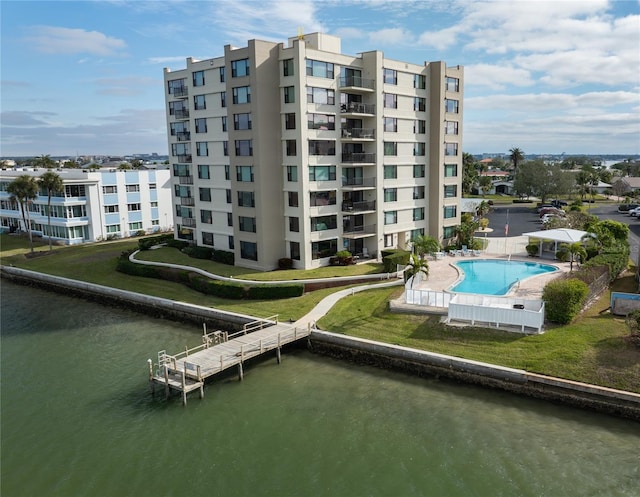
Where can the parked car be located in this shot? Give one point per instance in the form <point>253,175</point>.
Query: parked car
<point>545,206</point>
<point>552,210</point>
<point>547,217</point>
<point>627,207</point>
<point>559,203</point>
<point>634,212</point>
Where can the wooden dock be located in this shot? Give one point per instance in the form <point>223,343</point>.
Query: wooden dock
<point>188,370</point>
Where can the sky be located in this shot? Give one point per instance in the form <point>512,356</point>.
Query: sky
<point>86,78</point>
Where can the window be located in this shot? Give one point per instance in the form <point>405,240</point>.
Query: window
<point>206,217</point>
<point>153,204</point>
<point>74,191</point>
<point>287,67</point>
<point>419,104</point>
<point>450,170</point>
<point>289,94</point>
<point>247,224</point>
<point>109,189</point>
<point>450,149</point>
<point>133,207</point>
<point>292,199</point>
<point>246,199</point>
<point>419,126</point>
<point>178,109</point>
<point>198,78</point>
<point>113,228</point>
<point>320,96</point>
<point>390,76</point>
<point>205,194</point>
<point>135,226</point>
<point>239,68</point>
<point>319,69</point>
<point>223,74</point>
<point>291,148</point>
<point>180,129</point>
<point>242,121</point>
<point>202,149</point>
<point>390,172</point>
<point>418,214</point>
<point>177,87</point>
<point>223,99</point>
<point>182,191</point>
<point>390,194</point>
<point>207,238</point>
<point>419,149</point>
<point>322,147</point>
<point>451,128</point>
<point>229,218</point>
<point>203,172</point>
<point>450,191</point>
<point>227,172</point>
<point>323,223</point>
<point>449,232</point>
<point>321,121</point>
<point>294,224</point>
<point>390,101</point>
<point>452,84</point>
<point>199,102</point>
<point>178,149</point>
<point>249,250</point>
<point>290,120</point>
<point>225,148</point>
<point>391,217</point>
<point>110,209</point>
<point>418,170</point>
<point>419,81</point>
<point>416,233</point>
<point>322,198</point>
<point>294,250</point>
<point>231,242</point>
<point>391,124</point>
<point>449,211</point>
<point>418,192</point>
<point>322,173</point>
<point>244,173</point>
<point>388,241</point>
<point>181,170</point>
<point>201,125</point>
<point>292,174</point>
<point>223,119</point>
<point>324,248</point>
<point>242,95</point>
<point>451,106</point>
<point>390,148</point>
<point>132,188</point>
<point>228,193</point>
<point>244,148</point>
<point>155,222</point>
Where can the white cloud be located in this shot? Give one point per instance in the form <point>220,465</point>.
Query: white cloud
<point>496,77</point>
<point>391,36</point>
<point>56,40</point>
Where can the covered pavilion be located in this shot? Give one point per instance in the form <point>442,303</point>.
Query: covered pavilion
<point>556,236</point>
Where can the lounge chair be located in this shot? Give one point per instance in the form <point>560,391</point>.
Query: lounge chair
<point>476,252</point>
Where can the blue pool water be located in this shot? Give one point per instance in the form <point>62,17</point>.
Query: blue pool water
<point>494,277</point>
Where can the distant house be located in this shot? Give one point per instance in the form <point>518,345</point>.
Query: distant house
<point>627,184</point>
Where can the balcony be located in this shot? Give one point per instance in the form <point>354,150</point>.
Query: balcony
<point>352,207</point>
<point>183,136</point>
<point>181,113</point>
<point>358,83</point>
<point>189,222</point>
<point>186,180</point>
<point>180,92</point>
<point>358,157</point>
<point>359,229</point>
<point>184,158</point>
<point>359,133</point>
<point>358,108</point>
<point>187,201</point>
<point>356,183</point>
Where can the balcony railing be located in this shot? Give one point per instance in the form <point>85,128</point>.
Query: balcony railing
<point>187,201</point>
<point>359,182</point>
<point>362,228</point>
<point>186,180</point>
<point>357,82</point>
<point>358,157</point>
<point>189,222</point>
<point>184,158</point>
<point>359,133</point>
<point>181,113</point>
<point>183,136</point>
<point>358,206</point>
<point>358,108</point>
<point>182,91</point>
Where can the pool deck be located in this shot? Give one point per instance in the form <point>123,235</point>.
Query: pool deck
<point>443,273</point>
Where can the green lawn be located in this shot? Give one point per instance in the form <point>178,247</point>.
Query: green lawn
<point>594,349</point>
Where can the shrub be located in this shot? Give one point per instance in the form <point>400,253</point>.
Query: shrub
<point>270,292</point>
<point>179,244</point>
<point>285,263</point>
<point>533,249</point>
<point>125,266</point>
<point>616,261</point>
<point>564,299</point>
<point>222,289</point>
<point>395,258</point>
<point>224,257</point>
<point>199,252</point>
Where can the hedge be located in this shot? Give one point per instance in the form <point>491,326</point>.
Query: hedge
<point>224,257</point>
<point>199,252</point>
<point>564,299</point>
<point>270,292</point>
<point>222,289</point>
<point>615,261</point>
<point>150,241</point>
<point>392,258</point>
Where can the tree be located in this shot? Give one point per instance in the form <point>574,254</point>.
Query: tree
<point>466,229</point>
<point>136,163</point>
<point>516,156</point>
<point>543,180</point>
<point>124,166</point>
<point>469,173</point>
<point>44,161</point>
<point>52,183</point>
<point>485,184</point>
<point>483,208</point>
<point>24,189</point>
<point>416,265</point>
<point>575,251</point>
<point>71,164</point>
<point>425,244</point>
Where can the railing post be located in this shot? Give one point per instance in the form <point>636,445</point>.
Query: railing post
<point>166,381</point>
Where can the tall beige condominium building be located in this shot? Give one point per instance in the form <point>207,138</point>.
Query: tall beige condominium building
<point>301,151</point>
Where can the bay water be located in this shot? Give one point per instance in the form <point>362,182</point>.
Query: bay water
<point>78,419</point>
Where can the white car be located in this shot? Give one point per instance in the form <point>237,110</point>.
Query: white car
<point>634,212</point>
<point>547,217</point>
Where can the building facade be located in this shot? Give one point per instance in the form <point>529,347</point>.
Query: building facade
<point>301,151</point>
<point>94,205</point>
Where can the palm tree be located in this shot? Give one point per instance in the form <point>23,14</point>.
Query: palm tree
<point>574,250</point>
<point>52,183</point>
<point>483,208</point>
<point>44,161</point>
<point>517,156</point>
<point>23,190</point>
<point>425,244</point>
<point>416,265</point>
<point>485,185</point>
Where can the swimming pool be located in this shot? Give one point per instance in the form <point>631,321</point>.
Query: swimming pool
<point>496,277</point>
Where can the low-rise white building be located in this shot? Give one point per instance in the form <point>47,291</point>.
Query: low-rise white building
<point>93,205</point>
